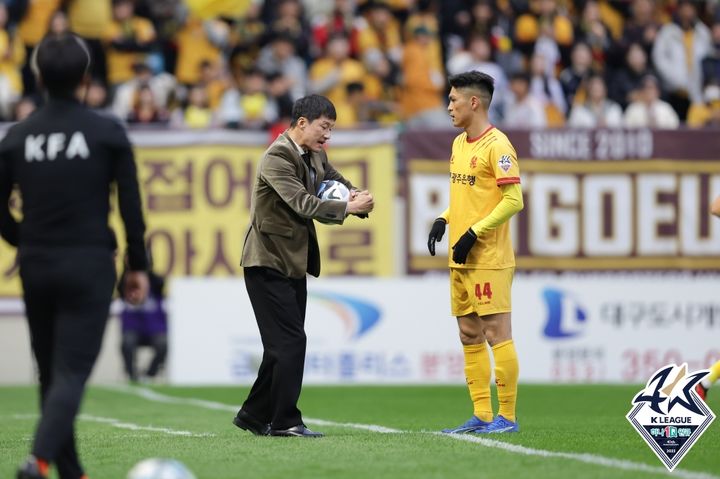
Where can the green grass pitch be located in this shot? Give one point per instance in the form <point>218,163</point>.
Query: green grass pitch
<point>566,432</point>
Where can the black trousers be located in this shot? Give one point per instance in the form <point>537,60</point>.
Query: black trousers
<point>279,305</point>
<point>67,293</point>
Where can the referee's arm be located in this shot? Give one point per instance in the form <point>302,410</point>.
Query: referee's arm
<point>129,201</point>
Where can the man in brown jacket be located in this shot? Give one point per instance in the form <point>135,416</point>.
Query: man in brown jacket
<point>280,248</point>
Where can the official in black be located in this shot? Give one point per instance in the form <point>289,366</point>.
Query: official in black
<point>64,159</point>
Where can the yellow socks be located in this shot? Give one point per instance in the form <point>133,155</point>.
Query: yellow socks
<point>477,375</point>
<point>506,377</point>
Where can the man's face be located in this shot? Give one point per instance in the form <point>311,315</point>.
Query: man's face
<point>460,107</point>
<point>315,134</point>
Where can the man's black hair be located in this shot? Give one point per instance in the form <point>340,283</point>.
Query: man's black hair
<point>61,61</point>
<point>312,107</point>
<point>477,81</point>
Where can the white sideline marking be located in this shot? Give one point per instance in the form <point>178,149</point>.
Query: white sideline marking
<point>582,457</point>
<point>587,458</point>
<point>151,395</point>
<point>125,425</point>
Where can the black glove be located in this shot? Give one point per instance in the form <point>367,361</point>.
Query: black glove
<point>436,233</point>
<point>463,246</point>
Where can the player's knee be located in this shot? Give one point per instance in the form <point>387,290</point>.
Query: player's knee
<point>470,336</point>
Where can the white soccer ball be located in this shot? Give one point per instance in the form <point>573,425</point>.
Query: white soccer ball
<point>157,468</point>
<point>333,190</point>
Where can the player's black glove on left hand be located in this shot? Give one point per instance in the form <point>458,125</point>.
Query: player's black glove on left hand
<point>463,246</point>
<point>436,233</point>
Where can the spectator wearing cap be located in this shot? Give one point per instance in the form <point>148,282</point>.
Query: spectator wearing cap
<point>129,39</point>
<point>648,110</point>
<point>279,57</point>
<point>677,54</point>
<point>597,111</point>
<point>425,15</point>
<point>423,84</point>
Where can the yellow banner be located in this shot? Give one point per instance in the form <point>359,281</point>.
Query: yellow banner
<point>197,203</point>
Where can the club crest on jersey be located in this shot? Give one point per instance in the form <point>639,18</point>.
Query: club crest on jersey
<point>505,163</point>
<point>473,162</point>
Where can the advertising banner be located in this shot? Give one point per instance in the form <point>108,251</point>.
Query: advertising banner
<point>594,200</point>
<point>567,329</point>
<point>196,191</point>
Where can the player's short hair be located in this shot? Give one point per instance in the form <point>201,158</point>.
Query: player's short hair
<point>61,61</point>
<point>312,107</point>
<point>482,83</point>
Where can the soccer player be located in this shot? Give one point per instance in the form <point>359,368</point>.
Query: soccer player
<point>484,193</point>
<point>280,250</point>
<point>64,159</point>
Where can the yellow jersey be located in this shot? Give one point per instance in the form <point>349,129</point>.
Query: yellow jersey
<point>120,63</point>
<point>478,168</point>
<point>34,24</point>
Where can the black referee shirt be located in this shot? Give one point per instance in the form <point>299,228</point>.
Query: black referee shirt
<point>64,158</point>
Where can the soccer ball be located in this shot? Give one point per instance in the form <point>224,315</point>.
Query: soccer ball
<point>333,190</point>
<point>160,469</point>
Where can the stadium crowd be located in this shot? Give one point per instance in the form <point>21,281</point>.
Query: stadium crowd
<point>242,63</point>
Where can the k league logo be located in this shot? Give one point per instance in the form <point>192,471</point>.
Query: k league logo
<point>669,415</point>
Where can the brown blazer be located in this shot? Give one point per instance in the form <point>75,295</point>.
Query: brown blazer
<point>282,233</point>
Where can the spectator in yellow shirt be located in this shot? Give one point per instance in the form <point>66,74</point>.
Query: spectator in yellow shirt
<point>198,41</point>
<point>32,28</point>
<point>91,19</point>
<point>129,39</point>
<point>380,43</point>
<point>423,82</point>
<point>330,75</point>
